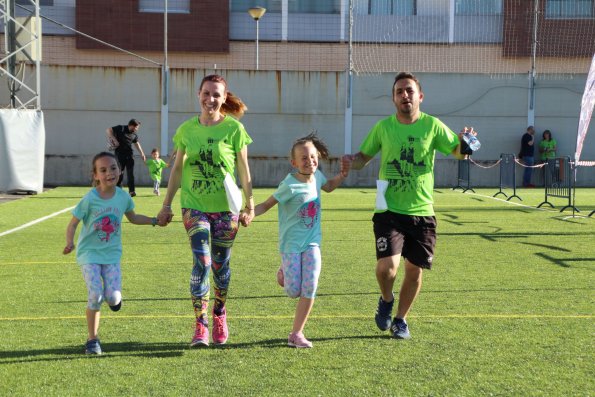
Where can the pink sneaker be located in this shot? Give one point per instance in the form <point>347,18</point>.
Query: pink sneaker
<point>220,331</point>
<point>201,335</point>
<point>280,277</point>
<point>297,339</point>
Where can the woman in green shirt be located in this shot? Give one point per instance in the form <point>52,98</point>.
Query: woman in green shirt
<point>547,146</point>
<point>210,146</point>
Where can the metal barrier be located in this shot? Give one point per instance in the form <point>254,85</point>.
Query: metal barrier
<point>507,175</point>
<point>463,176</point>
<point>558,177</point>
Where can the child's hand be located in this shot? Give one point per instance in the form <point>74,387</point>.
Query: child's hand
<point>246,217</point>
<point>68,249</point>
<point>345,165</point>
<point>164,216</point>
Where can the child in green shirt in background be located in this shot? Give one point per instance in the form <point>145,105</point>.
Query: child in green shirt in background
<point>156,166</point>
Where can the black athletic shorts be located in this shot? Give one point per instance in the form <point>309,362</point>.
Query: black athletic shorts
<point>414,237</point>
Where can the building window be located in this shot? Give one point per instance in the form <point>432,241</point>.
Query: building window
<point>478,7</point>
<point>315,6</point>
<point>391,7</point>
<point>244,5</point>
<point>574,9</point>
<point>173,6</point>
<point>30,3</point>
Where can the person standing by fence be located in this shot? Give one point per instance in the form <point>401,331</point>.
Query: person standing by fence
<point>547,146</point>
<point>527,154</point>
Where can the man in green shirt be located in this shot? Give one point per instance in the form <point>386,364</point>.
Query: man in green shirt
<point>404,221</point>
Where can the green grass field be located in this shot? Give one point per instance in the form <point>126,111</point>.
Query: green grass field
<point>507,309</point>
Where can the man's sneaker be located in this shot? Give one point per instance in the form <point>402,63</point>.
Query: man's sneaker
<point>280,277</point>
<point>92,347</point>
<point>132,194</point>
<point>399,329</point>
<point>384,313</point>
<point>116,307</point>
<point>201,335</point>
<point>220,331</point>
<point>297,339</point>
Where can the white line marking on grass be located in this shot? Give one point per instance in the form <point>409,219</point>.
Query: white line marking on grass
<point>16,229</point>
<point>446,316</point>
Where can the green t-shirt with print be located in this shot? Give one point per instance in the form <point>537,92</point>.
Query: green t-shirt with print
<point>407,160</point>
<point>210,152</point>
<point>549,149</point>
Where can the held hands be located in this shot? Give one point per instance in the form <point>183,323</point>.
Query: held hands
<point>165,216</point>
<point>246,216</point>
<point>346,161</point>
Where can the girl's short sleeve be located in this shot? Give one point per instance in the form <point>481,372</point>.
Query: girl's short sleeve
<point>283,192</point>
<point>82,209</point>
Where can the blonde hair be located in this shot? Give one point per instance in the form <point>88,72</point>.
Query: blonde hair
<point>233,105</point>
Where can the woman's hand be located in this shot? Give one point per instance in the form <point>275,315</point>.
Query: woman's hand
<point>165,216</point>
<point>246,216</point>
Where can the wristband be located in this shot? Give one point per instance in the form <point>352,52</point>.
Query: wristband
<point>153,221</point>
<point>167,206</point>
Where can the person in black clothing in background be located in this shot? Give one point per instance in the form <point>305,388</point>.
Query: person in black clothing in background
<point>527,154</point>
<point>121,138</point>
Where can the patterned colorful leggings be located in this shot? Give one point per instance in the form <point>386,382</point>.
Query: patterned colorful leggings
<point>104,282</point>
<point>301,272</point>
<point>220,228</point>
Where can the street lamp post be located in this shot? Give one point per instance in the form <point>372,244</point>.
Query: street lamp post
<point>256,13</point>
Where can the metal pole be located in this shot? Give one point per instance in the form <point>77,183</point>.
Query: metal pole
<point>38,35</point>
<point>349,82</point>
<point>531,112</point>
<point>11,62</point>
<point>165,89</point>
<point>257,44</point>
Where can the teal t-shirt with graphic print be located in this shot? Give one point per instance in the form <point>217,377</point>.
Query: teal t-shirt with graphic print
<point>210,153</point>
<point>299,213</point>
<point>100,239</point>
<point>407,160</point>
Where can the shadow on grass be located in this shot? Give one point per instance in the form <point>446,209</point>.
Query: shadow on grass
<point>282,342</point>
<point>568,262</point>
<point>374,294</point>
<point>128,349</point>
<point>148,350</point>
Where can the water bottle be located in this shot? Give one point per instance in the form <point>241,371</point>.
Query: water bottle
<point>471,140</point>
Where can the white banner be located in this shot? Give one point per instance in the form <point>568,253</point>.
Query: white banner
<point>587,105</point>
<point>22,150</point>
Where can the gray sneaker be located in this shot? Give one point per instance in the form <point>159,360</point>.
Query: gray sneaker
<point>384,313</point>
<point>93,347</point>
<point>399,329</point>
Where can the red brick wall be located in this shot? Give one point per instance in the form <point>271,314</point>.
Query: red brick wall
<point>555,37</point>
<point>118,22</point>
